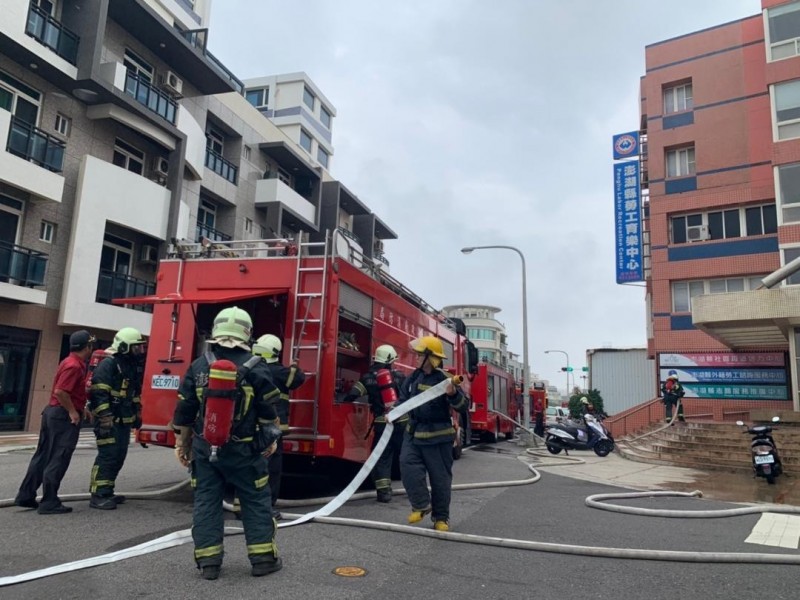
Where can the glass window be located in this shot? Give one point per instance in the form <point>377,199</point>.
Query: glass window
<point>47,232</point>
<point>322,157</point>
<point>678,98</point>
<point>784,29</point>
<point>325,117</point>
<point>258,97</point>
<point>678,230</point>
<point>308,98</point>
<point>733,226</point>
<point>19,99</point>
<point>128,157</point>
<point>305,140</point>
<point>789,254</point>
<point>724,224</point>
<point>680,162</point>
<point>761,219</point>
<point>717,286</point>
<point>683,292</point>
<point>138,66</point>
<point>63,124</point>
<point>787,109</point>
<point>215,140</point>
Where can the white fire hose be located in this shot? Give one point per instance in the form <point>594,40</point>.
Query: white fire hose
<point>322,516</point>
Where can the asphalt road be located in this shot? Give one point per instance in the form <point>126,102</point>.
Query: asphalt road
<point>397,565</point>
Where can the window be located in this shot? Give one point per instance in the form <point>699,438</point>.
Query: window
<point>305,140</point>
<point>246,152</point>
<point>761,219</point>
<point>724,224</point>
<point>128,157</point>
<point>788,192</point>
<point>248,225</point>
<point>481,333</point>
<point>325,117</point>
<point>47,232</point>
<point>257,97</point>
<point>680,163</point>
<point>678,98</point>
<point>486,355</point>
<point>63,124</point>
<point>138,66</point>
<point>680,224</point>
<point>786,97</point>
<point>19,99</point>
<point>47,6</point>
<point>784,30</point>
<point>207,214</point>
<point>789,254</point>
<point>322,157</point>
<point>308,98</point>
<point>11,211</point>
<point>215,140</point>
<point>683,292</point>
<point>116,254</point>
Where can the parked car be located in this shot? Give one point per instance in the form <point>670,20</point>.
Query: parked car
<point>555,414</point>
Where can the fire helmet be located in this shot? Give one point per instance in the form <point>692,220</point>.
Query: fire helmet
<point>232,322</point>
<point>584,400</point>
<point>125,339</point>
<point>385,354</point>
<point>428,345</point>
<point>268,347</point>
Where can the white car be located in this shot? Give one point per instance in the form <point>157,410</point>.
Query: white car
<point>555,414</point>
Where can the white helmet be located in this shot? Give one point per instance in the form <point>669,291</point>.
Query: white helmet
<point>385,354</point>
<point>268,346</point>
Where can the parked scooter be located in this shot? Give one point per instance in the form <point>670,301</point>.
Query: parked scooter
<point>766,462</point>
<point>568,436</point>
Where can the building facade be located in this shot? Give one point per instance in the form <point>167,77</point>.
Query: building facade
<point>720,124</point>
<point>120,136</point>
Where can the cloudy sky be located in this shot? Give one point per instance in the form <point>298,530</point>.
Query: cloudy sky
<point>465,123</point>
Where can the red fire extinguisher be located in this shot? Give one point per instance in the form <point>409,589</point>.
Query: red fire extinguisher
<point>94,360</point>
<point>387,388</point>
<point>220,402</point>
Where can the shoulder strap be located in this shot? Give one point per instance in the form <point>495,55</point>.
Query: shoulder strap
<point>242,372</point>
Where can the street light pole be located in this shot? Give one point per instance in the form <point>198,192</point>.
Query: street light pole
<point>567,372</point>
<point>526,376</point>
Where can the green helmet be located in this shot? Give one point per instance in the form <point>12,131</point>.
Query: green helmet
<point>232,322</point>
<point>125,339</point>
<point>268,347</point>
<point>385,354</point>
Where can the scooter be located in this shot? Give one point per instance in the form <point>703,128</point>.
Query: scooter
<point>766,462</point>
<point>566,437</point>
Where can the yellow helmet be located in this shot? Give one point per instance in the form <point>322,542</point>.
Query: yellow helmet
<point>268,347</point>
<point>428,344</point>
<point>125,339</point>
<point>232,322</point>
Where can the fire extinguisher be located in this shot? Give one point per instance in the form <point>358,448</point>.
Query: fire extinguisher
<point>94,360</point>
<point>220,401</point>
<point>387,388</point>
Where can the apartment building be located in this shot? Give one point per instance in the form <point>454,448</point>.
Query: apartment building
<point>719,122</point>
<point>121,134</point>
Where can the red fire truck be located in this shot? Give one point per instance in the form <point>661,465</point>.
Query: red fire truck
<point>538,398</point>
<point>331,313</point>
<point>492,392</point>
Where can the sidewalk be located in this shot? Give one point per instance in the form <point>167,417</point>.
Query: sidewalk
<point>13,441</point>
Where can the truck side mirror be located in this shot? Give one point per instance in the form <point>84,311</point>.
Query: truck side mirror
<point>472,358</point>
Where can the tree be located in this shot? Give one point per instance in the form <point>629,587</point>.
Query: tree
<point>594,397</point>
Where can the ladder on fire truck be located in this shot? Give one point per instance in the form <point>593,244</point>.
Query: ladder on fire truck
<point>306,295</point>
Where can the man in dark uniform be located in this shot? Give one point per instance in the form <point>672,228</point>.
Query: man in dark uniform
<point>61,425</point>
<point>242,461</point>
<point>673,394</point>
<point>288,378</point>
<point>428,444</point>
<point>115,402</point>
<point>368,386</point>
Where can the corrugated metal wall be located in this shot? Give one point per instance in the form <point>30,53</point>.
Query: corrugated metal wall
<point>624,377</point>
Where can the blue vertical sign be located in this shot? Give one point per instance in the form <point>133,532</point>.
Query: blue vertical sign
<point>628,215</point>
<point>626,145</point>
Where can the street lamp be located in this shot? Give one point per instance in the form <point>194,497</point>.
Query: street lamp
<point>526,376</point>
<point>567,369</point>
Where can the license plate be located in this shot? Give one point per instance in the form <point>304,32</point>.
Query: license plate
<point>165,382</point>
<point>765,460</point>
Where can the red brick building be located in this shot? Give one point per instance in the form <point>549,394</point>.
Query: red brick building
<point>720,109</point>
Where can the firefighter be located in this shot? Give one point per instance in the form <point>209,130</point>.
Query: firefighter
<point>115,403</point>
<point>288,378</point>
<point>673,393</point>
<point>382,401</point>
<point>428,441</point>
<point>242,460</point>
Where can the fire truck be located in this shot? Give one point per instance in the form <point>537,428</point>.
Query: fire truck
<point>493,392</point>
<point>331,309</point>
<point>538,395</point>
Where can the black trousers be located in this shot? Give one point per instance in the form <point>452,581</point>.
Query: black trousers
<point>57,440</point>
<point>382,472</point>
<point>275,470</point>
<point>434,461</point>
<point>112,449</point>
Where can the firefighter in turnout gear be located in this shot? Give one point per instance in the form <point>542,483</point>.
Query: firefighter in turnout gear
<point>673,393</point>
<point>285,379</point>
<point>115,404</point>
<point>382,397</point>
<point>230,448</point>
<point>428,444</point>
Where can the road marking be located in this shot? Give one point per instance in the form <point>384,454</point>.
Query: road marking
<point>776,530</point>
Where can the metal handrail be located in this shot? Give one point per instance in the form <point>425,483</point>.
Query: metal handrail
<point>150,96</point>
<point>112,285</point>
<point>221,166</point>
<point>209,233</point>
<point>51,33</point>
<point>22,266</point>
<point>31,143</point>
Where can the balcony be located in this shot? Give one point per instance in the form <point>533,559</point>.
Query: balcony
<point>204,231</point>
<point>34,145</point>
<point>21,266</point>
<point>222,167</point>
<point>111,286</point>
<point>275,190</point>
<point>49,32</point>
<point>197,38</point>
<point>150,96</point>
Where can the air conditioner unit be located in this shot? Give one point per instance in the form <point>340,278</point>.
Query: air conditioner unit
<point>160,166</point>
<point>148,255</point>
<point>172,83</point>
<point>697,233</point>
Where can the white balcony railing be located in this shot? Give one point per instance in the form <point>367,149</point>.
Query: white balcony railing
<point>274,190</point>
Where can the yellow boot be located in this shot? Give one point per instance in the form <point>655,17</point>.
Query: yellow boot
<point>441,526</point>
<point>417,515</point>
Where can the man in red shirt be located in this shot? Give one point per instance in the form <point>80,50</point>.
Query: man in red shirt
<point>61,424</point>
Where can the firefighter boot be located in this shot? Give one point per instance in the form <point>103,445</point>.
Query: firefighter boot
<point>210,572</point>
<point>417,515</point>
<point>266,567</point>
<point>102,502</point>
<point>384,495</point>
<point>441,526</point>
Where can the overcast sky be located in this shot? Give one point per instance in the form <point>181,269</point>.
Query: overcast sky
<point>467,122</point>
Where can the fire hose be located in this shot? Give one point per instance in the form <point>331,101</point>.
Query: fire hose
<point>322,515</point>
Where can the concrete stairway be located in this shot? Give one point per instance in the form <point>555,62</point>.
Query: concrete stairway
<point>707,445</point>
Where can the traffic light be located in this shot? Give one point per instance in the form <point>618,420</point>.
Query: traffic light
<point>567,369</point>
<point>585,369</point>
